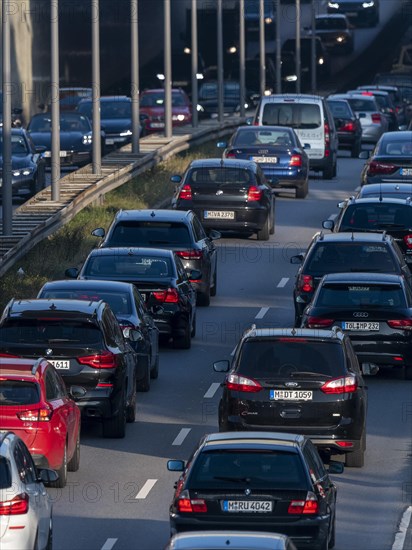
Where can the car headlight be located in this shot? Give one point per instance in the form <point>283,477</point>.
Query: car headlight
<point>340,38</point>
<point>22,172</point>
<point>160,76</point>
<point>268,20</point>
<point>200,76</point>
<point>333,5</point>
<point>321,61</point>
<point>87,139</point>
<point>199,108</point>
<point>125,133</point>
<point>368,4</point>
<point>179,118</point>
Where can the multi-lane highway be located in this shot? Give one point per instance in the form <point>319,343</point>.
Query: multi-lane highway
<point>120,496</point>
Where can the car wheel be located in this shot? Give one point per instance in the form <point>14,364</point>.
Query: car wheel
<point>115,427</point>
<point>183,341</point>
<point>74,463</point>
<point>213,290</point>
<point>193,332</point>
<point>203,298</point>
<point>154,373</point>
<point>263,234</point>
<point>272,220</point>
<point>408,372</point>
<point>131,410</point>
<point>62,472</point>
<point>143,384</point>
<point>356,459</point>
<point>302,191</point>
<point>327,173</point>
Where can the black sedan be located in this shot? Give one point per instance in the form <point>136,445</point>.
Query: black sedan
<point>161,279</point>
<point>208,99</point>
<point>388,190</point>
<point>27,163</point>
<point>390,161</point>
<point>227,194</point>
<point>374,309</point>
<point>277,150</point>
<point>75,137</point>
<point>130,309</point>
<point>347,125</point>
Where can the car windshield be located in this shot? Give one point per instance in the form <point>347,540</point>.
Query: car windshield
<point>158,99</point>
<point>116,109</point>
<point>68,123</point>
<point>296,115</point>
<point>46,331</point>
<point>330,23</point>
<point>362,104</point>
<point>265,470</point>
<point>18,145</point>
<point>18,392</point>
<point>377,216</point>
<point>273,358</point>
<point>395,147</point>
<point>5,473</point>
<point>142,233</point>
<point>359,295</point>
<point>139,267</point>
<point>209,91</point>
<point>263,137</point>
<point>221,176</point>
<point>119,302</point>
<point>340,109</point>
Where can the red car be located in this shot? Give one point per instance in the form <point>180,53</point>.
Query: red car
<point>36,406</point>
<point>152,105</point>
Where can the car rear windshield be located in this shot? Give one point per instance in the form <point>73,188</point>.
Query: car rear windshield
<point>118,301</point>
<point>340,109</point>
<point>18,392</point>
<point>366,105</point>
<point>5,473</point>
<point>330,23</point>
<point>396,147</point>
<point>130,266</point>
<point>350,295</point>
<point>268,358</point>
<point>252,138</point>
<point>50,331</point>
<point>304,116</point>
<point>258,469</point>
<point>146,233</point>
<point>115,109</point>
<point>221,176</point>
<point>372,217</point>
<point>351,256</point>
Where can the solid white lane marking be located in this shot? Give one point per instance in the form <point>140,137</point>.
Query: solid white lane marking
<point>108,545</point>
<point>262,313</point>
<point>181,436</point>
<point>283,282</point>
<point>403,529</point>
<point>212,390</point>
<point>147,487</point>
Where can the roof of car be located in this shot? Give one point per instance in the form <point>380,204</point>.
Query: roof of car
<point>227,539</point>
<point>130,251</point>
<point>17,366</point>
<point>154,215</point>
<point>386,187</point>
<point>353,96</point>
<point>51,307</point>
<point>264,128</point>
<point>93,284</point>
<point>352,237</point>
<point>261,438</point>
<point>388,278</point>
<point>106,98</point>
<point>224,163</point>
<point>400,135</point>
<point>304,333</point>
<point>292,97</point>
<point>378,200</point>
<point>331,16</point>
<point>161,91</point>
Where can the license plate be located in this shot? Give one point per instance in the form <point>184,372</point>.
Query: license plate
<point>405,171</point>
<point>291,395</point>
<point>218,215</point>
<point>157,124</point>
<point>63,365</point>
<point>109,141</point>
<point>265,160</point>
<point>63,153</point>
<point>352,14</point>
<point>247,506</point>
<point>360,325</point>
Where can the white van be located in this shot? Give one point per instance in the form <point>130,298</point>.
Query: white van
<point>310,117</point>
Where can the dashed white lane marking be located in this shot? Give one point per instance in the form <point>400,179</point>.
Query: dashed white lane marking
<point>403,529</point>
<point>181,436</point>
<point>283,282</point>
<point>212,390</point>
<point>262,313</point>
<point>108,545</point>
<point>145,490</point>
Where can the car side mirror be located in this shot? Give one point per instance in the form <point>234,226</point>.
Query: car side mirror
<point>77,392</point>
<point>194,274</point>
<point>296,259</point>
<point>336,467</point>
<point>214,235</point>
<point>176,178</point>
<point>132,334</point>
<point>328,224</point>
<point>46,475</point>
<point>221,366</point>
<point>364,155</point>
<point>72,272</point>
<point>99,232</point>
<point>221,144</point>
<point>369,369</point>
<point>249,120</point>
<point>175,465</point>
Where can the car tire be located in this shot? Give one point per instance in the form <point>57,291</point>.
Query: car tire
<point>185,341</point>
<point>154,373</point>
<point>302,191</point>
<point>263,234</point>
<point>356,459</point>
<point>356,150</point>
<point>193,331</point>
<point>115,427</point>
<point>203,298</point>
<point>327,173</point>
<point>213,290</point>
<point>143,385</point>
<point>131,410</point>
<point>408,372</point>
<point>74,463</point>
<point>62,473</point>
<point>272,221</point>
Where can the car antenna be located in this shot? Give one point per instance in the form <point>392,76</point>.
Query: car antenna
<point>380,192</point>
<point>152,214</point>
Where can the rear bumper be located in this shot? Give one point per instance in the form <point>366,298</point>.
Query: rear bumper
<point>286,178</point>
<point>246,219</point>
<point>73,158</point>
<point>347,140</point>
<point>321,163</point>
<point>393,353</point>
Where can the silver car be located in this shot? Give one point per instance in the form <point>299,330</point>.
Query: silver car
<point>222,540</point>
<point>25,507</point>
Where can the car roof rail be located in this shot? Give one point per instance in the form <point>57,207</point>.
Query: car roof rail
<point>36,365</point>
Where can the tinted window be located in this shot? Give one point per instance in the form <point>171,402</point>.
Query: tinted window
<point>303,116</point>
<point>281,357</point>
<point>265,469</point>
<point>158,99</point>
<point>357,295</point>
<point>18,144</point>
<point>220,176</point>
<point>52,389</point>
<point>108,109</point>
<point>149,233</point>
<point>118,301</point>
<point>263,137</point>
<point>330,23</point>
<point>5,473</point>
<point>16,392</point>
<point>129,266</point>
<point>340,109</point>
<point>398,147</point>
<point>377,216</point>
<point>362,104</point>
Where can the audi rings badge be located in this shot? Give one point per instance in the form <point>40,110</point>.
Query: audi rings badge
<point>362,314</point>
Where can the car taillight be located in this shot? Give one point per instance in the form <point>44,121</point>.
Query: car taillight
<point>256,123</point>
<point>186,193</point>
<point>318,322</point>
<point>402,324</point>
<point>327,139</point>
<point>295,160</point>
<point>104,360</point>
<point>191,505</point>
<point>230,155</point>
<point>344,444</point>
<point>36,415</point>
<point>254,193</point>
<point>8,355</point>
<point>235,382</point>
<point>376,118</point>
<point>190,254</point>
<point>170,296</point>
<point>348,127</point>
<point>408,241</point>
<point>16,506</point>
<point>347,384</point>
<point>305,283</point>
<point>380,168</point>
<point>308,506</point>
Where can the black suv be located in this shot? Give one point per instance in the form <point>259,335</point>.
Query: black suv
<point>307,381</point>
<point>377,214</point>
<point>256,481</point>
<point>344,252</point>
<point>84,342</point>
<point>374,309</point>
<point>179,231</point>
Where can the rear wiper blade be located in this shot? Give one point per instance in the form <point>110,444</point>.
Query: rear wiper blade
<point>305,374</point>
<point>237,479</point>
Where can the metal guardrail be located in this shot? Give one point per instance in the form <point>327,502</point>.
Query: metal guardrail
<point>40,216</point>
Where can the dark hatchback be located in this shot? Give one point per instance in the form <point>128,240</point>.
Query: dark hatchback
<point>305,381</point>
<point>377,214</point>
<point>277,150</point>
<point>160,278</point>
<point>344,252</point>
<point>375,310</point>
<point>347,125</point>
<point>84,342</point>
<point>359,12</point>
<point>128,305</point>
<point>260,481</point>
<point>227,195</point>
<point>385,190</point>
<point>179,231</point>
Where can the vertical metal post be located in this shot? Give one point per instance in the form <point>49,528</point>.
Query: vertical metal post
<point>220,83</point>
<point>97,152</point>
<point>134,93</point>
<point>313,49</point>
<point>168,69</point>
<point>262,63</point>
<point>55,97</point>
<point>242,54</point>
<point>278,56</point>
<point>298,81</point>
<point>7,183</point>
<point>195,68</point>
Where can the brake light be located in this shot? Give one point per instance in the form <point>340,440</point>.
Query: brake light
<point>104,360</point>
<point>18,505</point>
<point>230,155</point>
<point>36,415</point>
<point>305,283</point>
<point>405,324</point>
<point>186,193</point>
<point>235,382</point>
<point>376,118</point>
<point>191,505</point>
<point>308,506</point>
<point>318,322</point>
<point>254,194</point>
<point>344,444</point>
<point>295,160</point>
<point>380,168</point>
<point>347,384</point>
<point>327,139</point>
<point>256,123</point>
<point>8,355</point>
<point>190,254</point>
<point>348,127</point>
<point>169,296</point>
<point>408,241</point>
